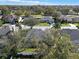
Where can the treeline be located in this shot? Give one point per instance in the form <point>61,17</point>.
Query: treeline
<point>44,10</point>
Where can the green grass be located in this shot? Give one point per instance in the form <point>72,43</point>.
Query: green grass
<point>37,16</point>
<point>29,50</point>
<point>76,24</point>
<point>42,24</point>
<point>74,56</point>
<point>65,24</point>
<point>1,22</point>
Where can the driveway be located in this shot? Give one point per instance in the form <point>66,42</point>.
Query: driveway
<point>72,26</point>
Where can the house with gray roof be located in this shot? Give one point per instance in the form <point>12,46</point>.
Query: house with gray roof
<point>73,33</point>
<point>70,18</point>
<point>75,19</point>
<point>9,19</point>
<point>65,18</point>
<point>4,30</point>
<point>47,19</point>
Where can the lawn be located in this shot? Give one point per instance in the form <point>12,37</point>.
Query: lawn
<point>37,16</point>
<point>65,24</point>
<point>29,50</point>
<point>74,56</point>
<point>1,22</point>
<point>76,24</point>
<point>42,24</point>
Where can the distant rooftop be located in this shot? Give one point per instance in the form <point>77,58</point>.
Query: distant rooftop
<point>72,16</point>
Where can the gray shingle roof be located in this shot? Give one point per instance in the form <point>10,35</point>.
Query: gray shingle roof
<point>4,30</point>
<point>74,34</point>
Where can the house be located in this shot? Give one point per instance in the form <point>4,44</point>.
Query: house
<point>74,37</point>
<point>73,33</point>
<point>69,18</point>
<point>4,30</point>
<point>37,33</point>
<point>47,19</point>
<point>9,19</point>
<point>32,42</point>
<point>75,19</point>
<point>7,28</point>
<point>65,18</point>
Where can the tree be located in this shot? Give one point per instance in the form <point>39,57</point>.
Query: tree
<point>19,12</point>
<point>61,48</point>
<point>31,22</point>
<point>27,13</point>
<point>49,11</point>
<point>6,12</point>
<point>64,11</point>
<point>14,42</point>
<point>56,16</point>
<point>1,22</point>
<point>76,10</point>
<point>71,12</point>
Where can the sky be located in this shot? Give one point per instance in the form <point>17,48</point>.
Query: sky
<point>39,2</point>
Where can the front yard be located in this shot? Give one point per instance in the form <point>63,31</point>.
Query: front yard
<point>65,24</point>
<point>28,50</point>
<point>42,24</point>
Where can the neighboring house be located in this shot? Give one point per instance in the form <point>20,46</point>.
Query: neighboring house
<point>32,41</point>
<point>74,35</point>
<point>75,19</point>
<point>70,18</point>
<point>47,19</point>
<point>10,19</point>
<point>37,33</point>
<point>65,18</point>
<point>4,30</point>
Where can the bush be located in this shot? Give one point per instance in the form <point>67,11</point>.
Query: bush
<point>1,22</point>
